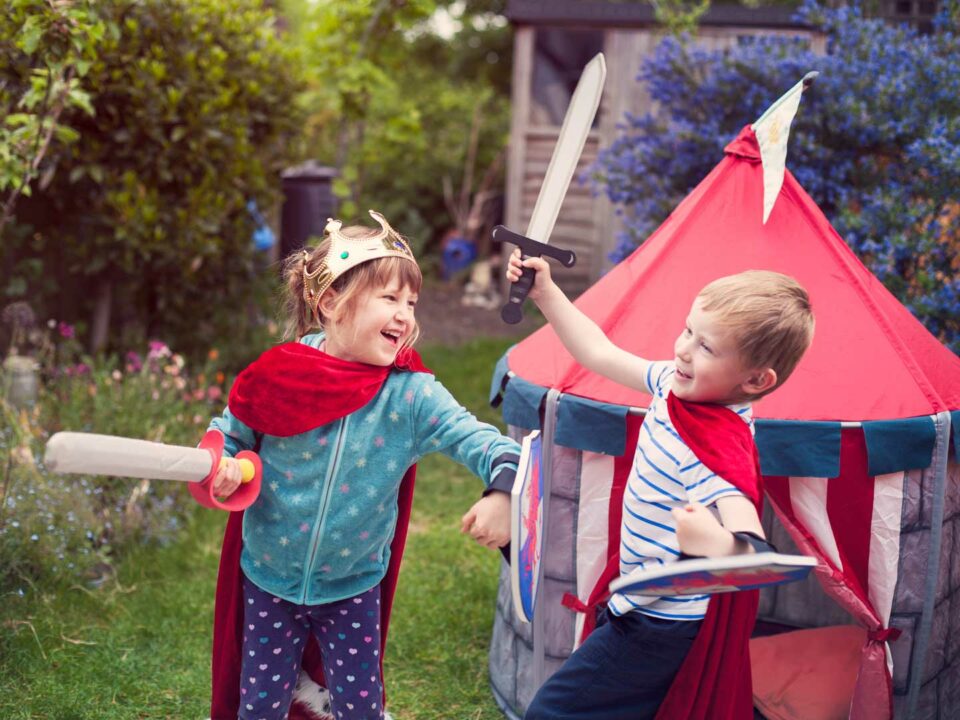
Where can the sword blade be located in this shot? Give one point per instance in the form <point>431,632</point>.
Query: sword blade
<point>92,454</point>
<point>566,154</point>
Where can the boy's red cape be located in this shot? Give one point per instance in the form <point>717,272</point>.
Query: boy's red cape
<point>714,681</point>
<point>288,390</point>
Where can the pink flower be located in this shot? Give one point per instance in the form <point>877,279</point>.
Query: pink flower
<point>66,330</point>
<point>158,349</point>
<point>378,441</point>
<point>214,392</point>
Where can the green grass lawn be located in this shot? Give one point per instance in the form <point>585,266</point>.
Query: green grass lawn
<point>139,647</point>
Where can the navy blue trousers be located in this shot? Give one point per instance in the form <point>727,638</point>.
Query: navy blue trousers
<point>622,671</point>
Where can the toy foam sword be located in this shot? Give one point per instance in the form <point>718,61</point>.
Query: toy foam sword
<point>91,454</point>
<point>566,155</point>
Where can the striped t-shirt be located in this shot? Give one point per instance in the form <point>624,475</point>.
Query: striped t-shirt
<point>665,475</point>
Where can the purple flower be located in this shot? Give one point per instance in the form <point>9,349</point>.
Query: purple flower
<point>66,330</point>
<point>134,362</point>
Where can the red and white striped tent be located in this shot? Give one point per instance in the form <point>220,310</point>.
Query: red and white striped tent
<point>855,448</point>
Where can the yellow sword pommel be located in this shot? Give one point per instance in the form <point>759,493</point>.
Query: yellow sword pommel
<point>247,469</point>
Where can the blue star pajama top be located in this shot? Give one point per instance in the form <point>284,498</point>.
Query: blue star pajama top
<point>320,531</point>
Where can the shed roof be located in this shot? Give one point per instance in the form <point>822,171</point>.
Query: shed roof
<point>602,13</point>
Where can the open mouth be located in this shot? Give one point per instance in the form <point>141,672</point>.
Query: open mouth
<point>681,374</point>
<point>391,336</point>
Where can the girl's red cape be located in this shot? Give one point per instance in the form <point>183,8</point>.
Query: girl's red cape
<point>291,389</point>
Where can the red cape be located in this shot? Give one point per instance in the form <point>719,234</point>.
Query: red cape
<point>290,389</point>
<point>714,681</point>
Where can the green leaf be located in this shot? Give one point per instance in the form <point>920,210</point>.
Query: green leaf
<point>30,34</point>
<point>16,287</point>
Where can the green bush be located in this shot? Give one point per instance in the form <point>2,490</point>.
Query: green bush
<point>141,227</point>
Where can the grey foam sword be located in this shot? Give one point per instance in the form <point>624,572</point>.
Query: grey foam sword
<point>566,154</point>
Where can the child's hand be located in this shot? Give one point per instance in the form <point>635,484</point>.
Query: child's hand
<point>541,281</point>
<point>488,521</point>
<point>700,533</point>
<point>227,479</point>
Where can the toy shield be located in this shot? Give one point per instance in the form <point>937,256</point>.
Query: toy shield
<point>526,536</point>
<point>704,576</point>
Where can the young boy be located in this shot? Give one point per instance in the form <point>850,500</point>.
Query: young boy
<point>742,338</point>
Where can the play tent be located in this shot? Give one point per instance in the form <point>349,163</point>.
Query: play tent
<point>855,448</point>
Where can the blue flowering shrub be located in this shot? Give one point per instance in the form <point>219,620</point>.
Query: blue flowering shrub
<point>876,142</point>
<point>71,528</point>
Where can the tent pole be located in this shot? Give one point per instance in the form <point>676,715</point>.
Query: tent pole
<point>921,641</point>
<point>549,429</point>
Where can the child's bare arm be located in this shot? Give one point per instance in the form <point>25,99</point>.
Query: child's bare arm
<point>699,533</point>
<point>579,334</point>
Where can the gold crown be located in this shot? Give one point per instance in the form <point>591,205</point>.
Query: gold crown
<point>347,252</point>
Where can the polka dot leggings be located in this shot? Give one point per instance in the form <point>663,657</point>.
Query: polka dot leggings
<point>274,634</point>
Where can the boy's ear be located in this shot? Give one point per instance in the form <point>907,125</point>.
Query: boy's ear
<point>759,381</point>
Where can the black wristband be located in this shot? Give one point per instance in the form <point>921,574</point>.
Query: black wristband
<point>758,543</point>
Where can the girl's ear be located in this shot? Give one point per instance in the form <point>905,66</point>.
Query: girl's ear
<point>328,304</point>
<point>760,381</point>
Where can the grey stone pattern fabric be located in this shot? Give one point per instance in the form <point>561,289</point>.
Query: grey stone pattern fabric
<point>800,604</point>
<point>511,646</point>
<point>940,683</point>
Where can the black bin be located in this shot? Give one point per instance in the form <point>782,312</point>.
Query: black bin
<point>308,201</point>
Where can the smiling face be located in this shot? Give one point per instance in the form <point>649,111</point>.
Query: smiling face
<point>375,327</point>
<point>708,362</point>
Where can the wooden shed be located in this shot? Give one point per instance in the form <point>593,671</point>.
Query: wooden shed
<point>553,40</point>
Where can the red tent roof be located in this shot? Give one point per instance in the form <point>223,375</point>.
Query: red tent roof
<point>870,359</point>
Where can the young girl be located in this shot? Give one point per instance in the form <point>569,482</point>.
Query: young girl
<point>339,419</point>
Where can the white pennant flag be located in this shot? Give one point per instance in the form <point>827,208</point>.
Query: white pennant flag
<point>773,131</point>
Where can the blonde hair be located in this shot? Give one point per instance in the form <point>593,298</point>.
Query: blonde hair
<point>770,316</point>
<point>302,319</point>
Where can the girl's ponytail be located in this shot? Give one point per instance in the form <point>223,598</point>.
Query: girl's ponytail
<point>300,317</point>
